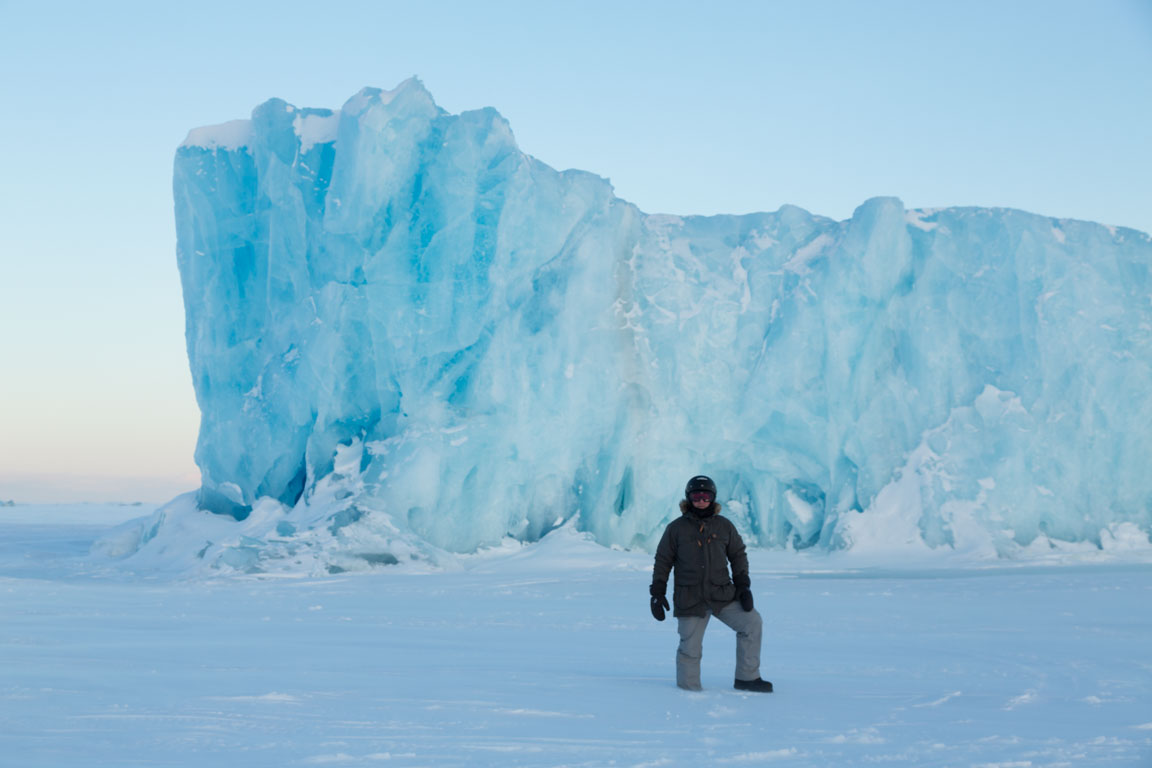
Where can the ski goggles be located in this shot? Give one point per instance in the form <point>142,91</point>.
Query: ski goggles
<point>701,496</point>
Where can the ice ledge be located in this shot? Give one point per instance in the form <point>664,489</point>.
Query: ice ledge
<point>234,134</point>
<point>311,129</point>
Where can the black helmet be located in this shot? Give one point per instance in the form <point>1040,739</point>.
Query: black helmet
<point>700,483</point>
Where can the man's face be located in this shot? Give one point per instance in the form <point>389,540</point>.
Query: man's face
<point>701,499</point>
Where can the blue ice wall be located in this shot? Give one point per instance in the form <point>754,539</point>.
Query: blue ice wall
<point>507,347</point>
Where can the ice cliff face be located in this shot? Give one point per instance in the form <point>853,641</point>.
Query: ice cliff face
<point>401,328</point>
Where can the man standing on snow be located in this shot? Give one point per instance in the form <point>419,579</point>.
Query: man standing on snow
<point>699,545</point>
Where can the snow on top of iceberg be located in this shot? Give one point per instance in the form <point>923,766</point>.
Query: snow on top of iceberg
<point>316,129</point>
<point>312,128</point>
<point>234,134</point>
<point>916,218</point>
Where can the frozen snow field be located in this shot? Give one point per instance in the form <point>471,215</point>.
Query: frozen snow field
<point>546,655</point>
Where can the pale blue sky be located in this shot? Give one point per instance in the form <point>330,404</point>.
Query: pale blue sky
<point>686,107</point>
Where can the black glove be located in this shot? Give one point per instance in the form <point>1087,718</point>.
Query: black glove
<point>658,603</point>
<point>745,598</point>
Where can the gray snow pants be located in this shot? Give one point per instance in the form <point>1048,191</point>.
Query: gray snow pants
<point>748,626</point>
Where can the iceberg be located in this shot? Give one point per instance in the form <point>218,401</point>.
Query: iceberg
<point>407,336</point>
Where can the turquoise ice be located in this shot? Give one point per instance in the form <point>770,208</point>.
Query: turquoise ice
<point>400,324</point>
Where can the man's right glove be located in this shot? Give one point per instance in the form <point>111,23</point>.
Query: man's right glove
<point>659,603</point>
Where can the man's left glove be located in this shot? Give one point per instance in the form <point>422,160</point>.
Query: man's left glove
<point>743,591</point>
<point>658,603</point>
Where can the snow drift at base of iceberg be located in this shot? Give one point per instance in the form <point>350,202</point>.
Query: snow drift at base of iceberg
<point>398,302</point>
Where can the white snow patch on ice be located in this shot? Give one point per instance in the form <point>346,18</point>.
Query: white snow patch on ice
<point>348,458</point>
<point>316,129</point>
<point>234,134</point>
<point>915,218</point>
<point>801,510</point>
<point>890,525</point>
<point>1124,537</point>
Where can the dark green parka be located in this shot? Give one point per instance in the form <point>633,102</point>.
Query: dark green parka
<point>700,549</point>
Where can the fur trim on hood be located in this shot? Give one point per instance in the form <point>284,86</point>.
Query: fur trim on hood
<point>686,507</point>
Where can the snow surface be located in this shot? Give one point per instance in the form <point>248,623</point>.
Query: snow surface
<point>545,655</point>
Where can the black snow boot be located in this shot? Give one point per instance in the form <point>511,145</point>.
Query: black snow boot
<point>757,685</point>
